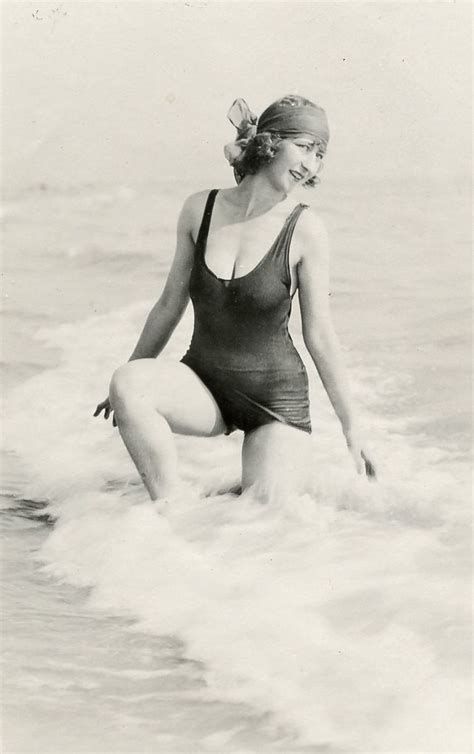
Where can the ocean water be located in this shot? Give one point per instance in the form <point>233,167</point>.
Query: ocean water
<point>338,621</point>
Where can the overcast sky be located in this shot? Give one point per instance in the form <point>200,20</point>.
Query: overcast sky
<point>130,91</point>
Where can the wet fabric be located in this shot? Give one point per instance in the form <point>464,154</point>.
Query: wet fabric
<point>241,347</point>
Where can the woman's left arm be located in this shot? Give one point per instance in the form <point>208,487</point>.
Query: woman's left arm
<point>319,335</point>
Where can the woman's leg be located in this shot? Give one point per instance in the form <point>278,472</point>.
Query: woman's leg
<point>276,459</point>
<point>151,400</point>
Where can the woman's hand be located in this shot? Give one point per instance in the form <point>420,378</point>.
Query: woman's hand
<point>107,409</point>
<point>361,460</point>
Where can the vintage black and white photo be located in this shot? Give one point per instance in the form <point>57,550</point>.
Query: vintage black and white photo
<point>236,377</point>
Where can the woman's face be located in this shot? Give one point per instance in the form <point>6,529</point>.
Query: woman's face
<point>297,160</point>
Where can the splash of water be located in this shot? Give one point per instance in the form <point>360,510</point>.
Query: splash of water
<point>342,612</point>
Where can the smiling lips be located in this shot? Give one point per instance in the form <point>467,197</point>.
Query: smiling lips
<point>296,175</point>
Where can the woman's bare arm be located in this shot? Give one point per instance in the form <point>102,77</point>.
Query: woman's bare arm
<point>318,330</point>
<point>168,310</point>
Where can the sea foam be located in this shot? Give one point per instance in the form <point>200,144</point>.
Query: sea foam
<point>341,612</point>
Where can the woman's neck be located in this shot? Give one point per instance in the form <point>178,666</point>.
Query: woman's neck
<point>255,195</point>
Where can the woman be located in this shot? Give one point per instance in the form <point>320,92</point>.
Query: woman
<point>242,370</point>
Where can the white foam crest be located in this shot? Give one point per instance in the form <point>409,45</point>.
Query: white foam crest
<point>325,625</point>
<point>341,611</point>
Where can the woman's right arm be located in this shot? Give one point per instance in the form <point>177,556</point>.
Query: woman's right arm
<point>168,310</point>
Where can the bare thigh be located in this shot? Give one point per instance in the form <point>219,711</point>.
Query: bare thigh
<point>275,458</point>
<point>172,390</point>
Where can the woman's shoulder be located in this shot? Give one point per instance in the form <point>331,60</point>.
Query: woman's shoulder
<point>310,223</point>
<point>310,219</point>
<point>197,200</point>
<point>194,204</point>
<point>310,234</point>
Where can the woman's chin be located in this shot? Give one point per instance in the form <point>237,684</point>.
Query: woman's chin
<point>288,188</point>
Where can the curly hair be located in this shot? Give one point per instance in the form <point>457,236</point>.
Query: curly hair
<point>260,151</point>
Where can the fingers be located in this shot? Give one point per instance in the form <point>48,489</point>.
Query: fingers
<point>106,408</point>
<point>355,451</point>
<point>362,463</point>
<point>358,462</point>
<point>370,471</point>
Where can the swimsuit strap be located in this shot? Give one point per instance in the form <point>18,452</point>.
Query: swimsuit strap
<point>289,225</point>
<point>206,220</point>
<point>281,250</point>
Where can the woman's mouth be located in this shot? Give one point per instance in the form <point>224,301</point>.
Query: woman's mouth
<point>297,176</point>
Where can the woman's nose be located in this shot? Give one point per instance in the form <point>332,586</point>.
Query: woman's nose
<point>309,161</point>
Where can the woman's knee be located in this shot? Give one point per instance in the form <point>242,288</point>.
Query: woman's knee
<point>140,383</point>
<point>127,386</point>
<point>172,390</point>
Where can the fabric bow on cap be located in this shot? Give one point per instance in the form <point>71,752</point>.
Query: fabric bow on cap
<point>244,120</point>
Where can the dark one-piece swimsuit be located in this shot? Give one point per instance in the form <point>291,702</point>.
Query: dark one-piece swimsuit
<point>241,348</point>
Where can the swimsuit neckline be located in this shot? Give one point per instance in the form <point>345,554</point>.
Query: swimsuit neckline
<point>257,266</point>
